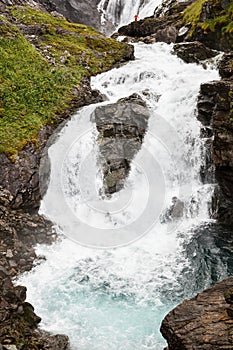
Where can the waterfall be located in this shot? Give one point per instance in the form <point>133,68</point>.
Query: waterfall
<point>109,299</point>
<point>121,12</point>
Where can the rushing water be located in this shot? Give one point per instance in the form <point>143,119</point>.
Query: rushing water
<point>116,298</point>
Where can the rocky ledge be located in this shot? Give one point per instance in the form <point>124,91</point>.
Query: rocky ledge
<point>121,126</point>
<point>204,322</point>
<point>216,114</point>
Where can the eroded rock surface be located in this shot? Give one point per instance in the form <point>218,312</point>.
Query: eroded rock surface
<point>215,113</point>
<point>19,232</point>
<point>201,323</point>
<point>121,127</point>
<point>193,52</point>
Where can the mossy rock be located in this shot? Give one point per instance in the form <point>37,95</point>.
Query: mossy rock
<point>39,82</point>
<point>211,23</point>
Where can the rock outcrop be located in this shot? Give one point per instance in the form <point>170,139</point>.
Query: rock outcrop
<point>173,22</point>
<point>203,322</point>
<point>193,52</point>
<point>215,113</point>
<point>76,11</point>
<point>84,11</point>
<point>152,30</point>
<point>121,128</point>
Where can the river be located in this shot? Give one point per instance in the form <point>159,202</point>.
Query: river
<point>109,294</point>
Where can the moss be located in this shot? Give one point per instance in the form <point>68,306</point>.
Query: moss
<point>193,12</point>
<point>34,91</point>
<point>220,18</point>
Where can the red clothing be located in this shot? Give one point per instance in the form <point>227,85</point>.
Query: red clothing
<point>136,18</point>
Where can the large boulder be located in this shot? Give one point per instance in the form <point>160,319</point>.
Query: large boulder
<point>201,323</point>
<point>163,29</point>
<point>193,52</point>
<point>121,126</point>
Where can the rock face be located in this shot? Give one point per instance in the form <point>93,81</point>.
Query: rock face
<point>201,323</point>
<point>193,52</point>
<point>84,11</point>
<point>177,21</point>
<point>153,29</point>
<point>76,11</point>
<point>121,127</point>
<point>215,112</point>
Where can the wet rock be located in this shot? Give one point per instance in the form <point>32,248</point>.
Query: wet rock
<point>31,318</point>
<point>57,342</point>
<point>121,128</point>
<point>167,35</point>
<point>163,29</point>
<point>226,66</point>
<point>201,322</point>
<point>193,52</point>
<point>215,111</point>
<point>175,212</point>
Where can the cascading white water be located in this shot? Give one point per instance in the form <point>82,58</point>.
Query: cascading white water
<point>116,298</point>
<point>121,12</point>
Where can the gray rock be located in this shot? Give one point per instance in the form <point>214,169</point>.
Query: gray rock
<point>121,127</point>
<point>167,35</point>
<point>79,11</point>
<point>57,342</point>
<point>193,52</point>
<point>9,253</point>
<point>175,212</point>
<point>214,109</point>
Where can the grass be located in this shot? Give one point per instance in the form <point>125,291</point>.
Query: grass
<point>222,18</point>
<point>35,91</point>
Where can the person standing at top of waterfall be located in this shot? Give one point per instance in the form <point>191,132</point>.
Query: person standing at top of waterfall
<point>136,17</point>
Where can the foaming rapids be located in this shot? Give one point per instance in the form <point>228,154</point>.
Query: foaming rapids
<point>116,298</point>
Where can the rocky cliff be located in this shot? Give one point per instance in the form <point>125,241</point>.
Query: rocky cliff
<point>216,114</point>
<point>202,323</point>
<point>77,11</point>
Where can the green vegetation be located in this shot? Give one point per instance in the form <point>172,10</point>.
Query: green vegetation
<point>38,83</point>
<point>221,18</point>
<point>193,12</point>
